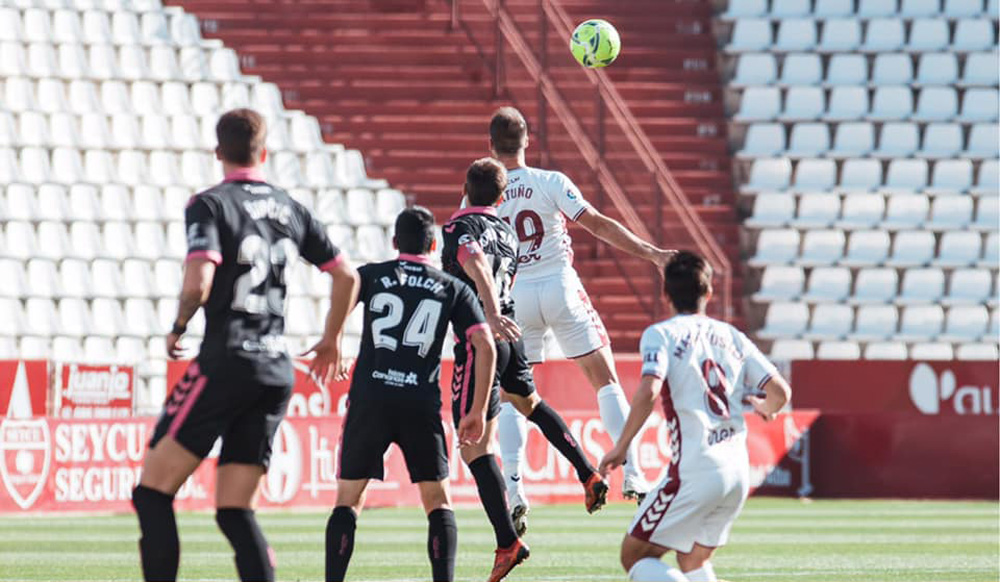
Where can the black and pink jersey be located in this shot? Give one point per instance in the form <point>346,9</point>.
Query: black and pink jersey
<point>478,230</point>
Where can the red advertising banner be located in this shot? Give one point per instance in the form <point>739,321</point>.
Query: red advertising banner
<point>932,388</point>
<point>58,465</point>
<point>24,388</point>
<point>93,391</point>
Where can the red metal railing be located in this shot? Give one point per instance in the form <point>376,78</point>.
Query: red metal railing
<point>598,129</point>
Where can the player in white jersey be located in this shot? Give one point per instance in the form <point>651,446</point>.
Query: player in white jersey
<point>704,370</point>
<point>548,293</point>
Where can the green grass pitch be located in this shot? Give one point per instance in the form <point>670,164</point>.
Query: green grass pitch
<point>774,539</point>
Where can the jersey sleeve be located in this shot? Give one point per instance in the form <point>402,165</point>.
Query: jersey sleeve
<point>317,248</point>
<point>460,240</point>
<point>654,350</point>
<point>757,369</point>
<point>202,231</point>
<point>467,315</point>
<point>568,198</point>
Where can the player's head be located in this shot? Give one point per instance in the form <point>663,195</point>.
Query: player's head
<point>485,181</point>
<point>508,132</point>
<point>414,231</point>
<point>242,134</point>
<point>687,281</point>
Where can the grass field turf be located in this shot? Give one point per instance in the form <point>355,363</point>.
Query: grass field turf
<point>774,539</point>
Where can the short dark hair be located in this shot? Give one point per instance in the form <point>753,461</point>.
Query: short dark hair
<point>508,131</point>
<point>415,230</point>
<point>242,134</point>
<point>485,181</point>
<point>687,280</point>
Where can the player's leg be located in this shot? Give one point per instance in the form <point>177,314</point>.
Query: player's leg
<point>243,460</point>
<point>421,438</point>
<point>642,560</point>
<point>584,339</point>
<point>183,436</point>
<point>341,525</point>
<point>519,385</point>
<point>715,527</point>
<point>696,565</point>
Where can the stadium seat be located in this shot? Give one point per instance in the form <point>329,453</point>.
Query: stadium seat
<point>388,204</point>
<point>982,69</point>
<point>928,34</point>
<point>815,174</point>
<point>883,35</point>
<point>921,286</point>
<point>876,8</point>
<point>803,103</point>
<point>937,69</point>
<point>763,140</point>
<point>772,210</point>
<point>950,213</point>
<point>958,249</point>
<point>833,8</point>
<point>755,69</point>
<point>817,211</point>
<point>906,211</point>
<point>919,8</point>
<point>750,34</point>
<point>74,279</point>
<point>30,348</point>
<point>809,140</point>
<point>892,69</point>
<point>906,176</point>
<point>921,323</point>
<point>830,321</point>
<point>85,241</point>
<point>847,70</point>
<point>988,178</point>
<point>885,351</point>
<point>801,69</point>
<point>14,278</point>
<point>963,8</point>
<point>979,105</point>
<point>936,104</point>
<point>738,9</point>
<point>965,323</point>
<point>891,103</point>
<point>784,320</point>
<point>822,247</point>
<point>861,211</point>
<point>987,214</point>
<point>852,140</point>
<point>840,35</point>
<point>842,350</point>
<point>875,286</point>
<point>759,104</point>
<point>973,34</point>
<point>42,278</point>
<point>875,323</point>
<point>780,283</point>
<point>786,350</point>
<point>768,174</point>
<point>982,352</point>
<point>828,285</point>
<point>860,175</point>
<point>107,318</point>
<point>776,247</point>
<point>40,318</point>
<point>912,249</point>
<point>967,286</point>
<point>941,140</point>
<point>984,142</point>
<point>931,351</point>
<point>897,140</point>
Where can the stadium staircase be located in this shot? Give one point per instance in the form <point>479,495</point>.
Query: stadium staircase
<point>412,84</point>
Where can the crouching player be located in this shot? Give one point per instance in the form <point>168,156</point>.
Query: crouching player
<point>702,369</point>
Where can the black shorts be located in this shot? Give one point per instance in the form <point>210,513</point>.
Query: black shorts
<point>230,404</point>
<point>513,375</point>
<point>373,423</point>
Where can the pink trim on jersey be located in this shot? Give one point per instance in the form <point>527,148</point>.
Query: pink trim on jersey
<point>466,377</point>
<point>212,256</point>
<point>329,265</point>
<point>474,328</point>
<point>489,210</point>
<point>422,259</point>
<point>192,396</point>
<point>466,251</point>
<point>246,174</point>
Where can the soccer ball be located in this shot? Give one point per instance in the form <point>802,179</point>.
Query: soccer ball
<point>595,43</point>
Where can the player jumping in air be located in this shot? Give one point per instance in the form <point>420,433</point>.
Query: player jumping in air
<point>481,249</point>
<point>395,396</point>
<point>704,370</point>
<point>243,237</point>
<point>549,295</point>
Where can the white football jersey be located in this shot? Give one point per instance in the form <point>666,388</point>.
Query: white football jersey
<point>707,366</point>
<point>536,203</point>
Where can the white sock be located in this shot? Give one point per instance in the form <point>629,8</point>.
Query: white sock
<point>704,574</point>
<point>654,570</point>
<point>614,410</point>
<point>511,435</point>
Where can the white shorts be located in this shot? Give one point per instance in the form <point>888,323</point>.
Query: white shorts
<point>697,508</point>
<point>561,303</point>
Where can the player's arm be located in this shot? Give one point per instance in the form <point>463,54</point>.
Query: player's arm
<point>195,289</point>
<point>327,362</point>
<point>777,392</point>
<point>615,234</point>
<point>642,407</point>
<point>764,388</point>
<point>477,268</point>
<point>472,426</point>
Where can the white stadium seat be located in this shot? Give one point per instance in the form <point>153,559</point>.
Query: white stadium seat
<point>979,105</point>
<point>809,140</point>
<point>860,175</point>
<point>931,351</point>
<point>963,8</point>
<point>906,211</point>
<point>912,249</point>
<point>965,323</point>
<point>892,69</point>
<point>928,34</point>
<point>983,352</point>
<point>828,284</point>
<point>756,69</point>
<point>968,286</point>
<point>984,141</point>
<point>750,34</point>
<point>958,249</point>
<point>772,210</point>
<point>769,174</point>
<point>843,350</point>
<point>891,103</point>
<point>780,283</point>
<point>861,211</point>
<point>764,140</point>
<point>878,286</point>
<point>830,321</point>
<point>815,174</point>
<point>883,35</point>
<point>784,320</point>
<point>745,9</point>
<point>921,323</point>
<point>941,140</point>
<point>897,140</point>
<point>853,139</point>
<point>950,213</point>
<point>840,34</point>
<point>776,247</point>
<point>906,176</point>
<point>974,34</point>
<point>885,351</point>
<point>802,69</point>
<point>875,322</point>
<point>786,350</point>
<point>987,214</point>
<point>981,69</point>
<point>817,211</point>
<point>822,247</point>
<point>803,103</point>
<point>937,69</point>
<point>936,104</point>
<point>876,8</point>
<point>921,286</point>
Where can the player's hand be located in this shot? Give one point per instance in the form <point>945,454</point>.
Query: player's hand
<point>612,460</point>
<point>174,349</point>
<point>470,429</point>
<point>661,258</point>
<point>503,328</point>
<point>327,364</point>
<point>760,407</point>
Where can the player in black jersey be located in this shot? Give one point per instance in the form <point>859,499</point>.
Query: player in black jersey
<point>395,395</point>
<point>481,249</point>
<point>243,236</point>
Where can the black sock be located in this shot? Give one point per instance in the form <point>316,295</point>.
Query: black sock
<point>442,542</point>
<point>489,481</point>
<point>159,546</point>
<point>339,542</point>
<point>253,556</point>
<point>556,431</point>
